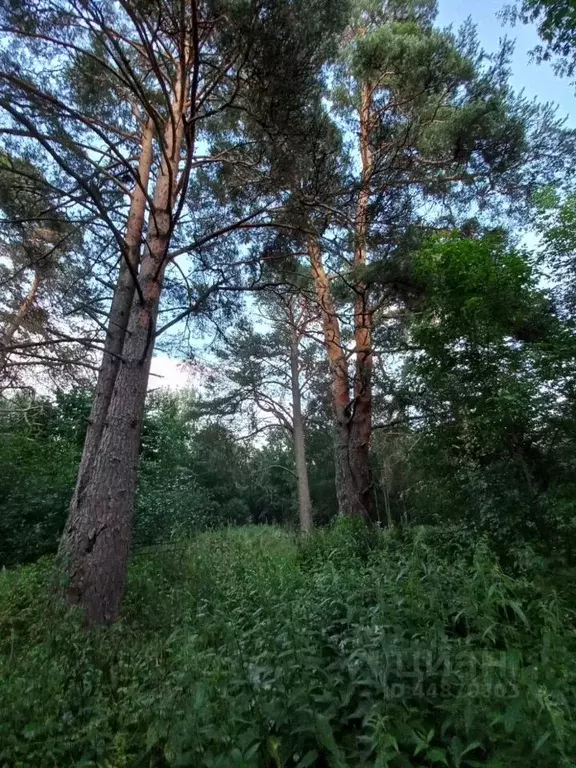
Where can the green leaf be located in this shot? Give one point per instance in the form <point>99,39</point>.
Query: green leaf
<point>460,754</point>
<point>327,740</point>
<point>436,755</point>
<point>249,753</point>
<point>308,759</point>
<point>519,612</point>
<point>542,740</point>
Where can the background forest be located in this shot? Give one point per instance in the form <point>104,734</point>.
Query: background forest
<point>347,540</point>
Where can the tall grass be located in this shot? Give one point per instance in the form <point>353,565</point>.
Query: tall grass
<point>247,648</point>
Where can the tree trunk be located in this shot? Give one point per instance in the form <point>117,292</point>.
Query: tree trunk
<point>352,416</point>
<point>97,539</point>
<point>304,503</point>
<point>361,423</point>
<point>22,311</point>
<point>119,316</point>
<point>96,543</point>
<point>350,473</point>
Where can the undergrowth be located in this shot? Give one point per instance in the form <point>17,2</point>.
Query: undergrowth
<point>249,649</point>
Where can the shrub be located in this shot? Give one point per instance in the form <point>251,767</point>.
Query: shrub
<point>241,649</point>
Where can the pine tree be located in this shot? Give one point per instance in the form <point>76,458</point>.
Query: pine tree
<point>156,108</point>
<point>266,374</point>
<point>43,279</point>
<point>432,132</point>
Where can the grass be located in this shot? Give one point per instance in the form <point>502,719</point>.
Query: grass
<point>248,649</point>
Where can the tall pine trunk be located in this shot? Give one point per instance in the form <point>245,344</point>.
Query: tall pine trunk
<point>304,503</point>
<point>118,319</point>
<point>353,480</point>
<point>352,410</point>
<point>96,542</point>
<point>361,427</point>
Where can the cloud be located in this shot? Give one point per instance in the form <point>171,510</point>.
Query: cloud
<point>171,373</point>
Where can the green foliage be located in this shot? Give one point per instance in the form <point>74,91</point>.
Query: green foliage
<point>402,48</point>
<point>40,447</point>
<point>555,222</point>
<point>241,649</point>
<point>556,23</point>
<point>193,475</point>
<point>477,289</point>
<point>170,498</point>
<point>491,385</point>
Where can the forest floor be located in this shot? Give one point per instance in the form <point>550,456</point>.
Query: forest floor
<point>248,648</point>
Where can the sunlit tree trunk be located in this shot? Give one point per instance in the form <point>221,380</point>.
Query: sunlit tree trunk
<point>22,312</point>
<point>351,498</point>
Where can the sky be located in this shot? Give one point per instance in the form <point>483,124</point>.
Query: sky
<point>169,373</point>
<point>538,81</point>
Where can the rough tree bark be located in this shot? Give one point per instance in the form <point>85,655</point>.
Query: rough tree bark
<point>119,316</point>
<point>304,503</point>
<point>349,450</point>
<point>96,542</point>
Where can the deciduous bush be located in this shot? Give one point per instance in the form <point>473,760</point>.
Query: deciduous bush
<point>242,649</point>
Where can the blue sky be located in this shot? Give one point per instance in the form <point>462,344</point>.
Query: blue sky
<point>537,80</point>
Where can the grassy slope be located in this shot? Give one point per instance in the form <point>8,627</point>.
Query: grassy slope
<point>245,648</point>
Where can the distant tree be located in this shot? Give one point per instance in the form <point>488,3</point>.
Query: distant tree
<point>40,447</point>
<point>554,219</point>
<point>266,374</point>
<point>194,474</point>
<point>555,222</point>
<point>489,438</point>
